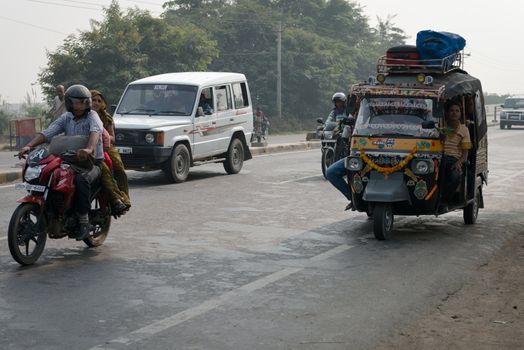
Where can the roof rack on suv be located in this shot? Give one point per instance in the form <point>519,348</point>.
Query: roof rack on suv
<point>404,65</point>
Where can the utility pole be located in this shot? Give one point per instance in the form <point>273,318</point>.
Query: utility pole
<point>279,70</point>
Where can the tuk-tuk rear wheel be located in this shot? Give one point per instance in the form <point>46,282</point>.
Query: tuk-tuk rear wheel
<point>471,212</point>
<point>382,221</point>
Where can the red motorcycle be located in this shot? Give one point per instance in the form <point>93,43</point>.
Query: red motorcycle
<point>48,210</point>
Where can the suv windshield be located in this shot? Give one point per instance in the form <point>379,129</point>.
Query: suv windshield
<point>514,103</point>
<point>390,116</point>
<point>158,99</point>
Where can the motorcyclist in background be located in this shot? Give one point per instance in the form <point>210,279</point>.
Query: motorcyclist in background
<point>336,172</point>
<point>78,120</point>
<point>339,108</point>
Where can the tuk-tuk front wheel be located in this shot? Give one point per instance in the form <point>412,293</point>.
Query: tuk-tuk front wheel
<point>382,221</point>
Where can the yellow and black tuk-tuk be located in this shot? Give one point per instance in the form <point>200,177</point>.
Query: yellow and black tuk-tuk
<point>397,143</point>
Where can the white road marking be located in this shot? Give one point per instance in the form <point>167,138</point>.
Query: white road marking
<point>295,180</point>
<point>208,305</point>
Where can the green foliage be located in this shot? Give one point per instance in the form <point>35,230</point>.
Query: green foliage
<point>492,99</point>
<point>125,47</point>
<point>5,117</point>
<point>327,45</point>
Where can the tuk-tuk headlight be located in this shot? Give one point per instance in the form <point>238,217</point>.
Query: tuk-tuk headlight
<point>353,163</point>
<point>421,166</point>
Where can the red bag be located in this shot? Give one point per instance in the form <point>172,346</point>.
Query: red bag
<point>405,55</point>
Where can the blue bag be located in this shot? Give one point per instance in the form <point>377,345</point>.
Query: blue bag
<point>437,45</point>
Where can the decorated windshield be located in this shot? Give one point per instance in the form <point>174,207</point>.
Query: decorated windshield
<point>158,99</point>
<point>389,116</point>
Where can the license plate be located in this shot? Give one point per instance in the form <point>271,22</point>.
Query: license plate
<point>29,187</point>
<point>124,150</point>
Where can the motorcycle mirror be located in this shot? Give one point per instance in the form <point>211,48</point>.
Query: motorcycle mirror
<point>320,120</point>
<point>428,124</point>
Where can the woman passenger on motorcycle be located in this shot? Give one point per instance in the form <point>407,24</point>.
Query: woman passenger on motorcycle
<point>117,193</point>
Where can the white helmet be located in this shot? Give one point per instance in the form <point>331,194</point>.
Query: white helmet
<point>339,96</point>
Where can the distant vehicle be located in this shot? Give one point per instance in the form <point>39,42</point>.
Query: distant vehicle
<point>177,120</point>
<point>512,112</point>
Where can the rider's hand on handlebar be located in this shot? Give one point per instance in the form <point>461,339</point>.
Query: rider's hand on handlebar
<point>83,153</point>
<point>23,151</point>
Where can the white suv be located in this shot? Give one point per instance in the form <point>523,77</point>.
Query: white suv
<point>178,120</point>
<point>512,112</point>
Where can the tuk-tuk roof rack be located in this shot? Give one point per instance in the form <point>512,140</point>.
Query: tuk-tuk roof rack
<point>444,65</point>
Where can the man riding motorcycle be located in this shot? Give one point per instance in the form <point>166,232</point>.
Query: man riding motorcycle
<point>79,120</point>
<point>339,108</point>
<point>336,171</point>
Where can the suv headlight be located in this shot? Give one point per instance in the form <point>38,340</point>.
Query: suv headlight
<point>422,166</point>
<point>353,163</point>
<point>150,137</point>
<point>502,115</point>
<point>33,172</point>
<point>154,138</point>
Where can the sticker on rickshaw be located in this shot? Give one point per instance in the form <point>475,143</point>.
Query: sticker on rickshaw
<point>381,143</point>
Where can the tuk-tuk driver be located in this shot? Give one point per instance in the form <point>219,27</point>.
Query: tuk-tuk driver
<point>457,142</point>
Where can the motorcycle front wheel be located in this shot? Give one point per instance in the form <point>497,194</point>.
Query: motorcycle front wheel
<point>328,158</point>
<point>26,236</point>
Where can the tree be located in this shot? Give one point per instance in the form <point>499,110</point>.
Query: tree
<point>326,46</point>
<point>125,47</point>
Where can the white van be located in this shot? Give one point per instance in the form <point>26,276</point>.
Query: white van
<point>177,120</point>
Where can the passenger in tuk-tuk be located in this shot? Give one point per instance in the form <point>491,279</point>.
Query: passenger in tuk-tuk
<point>457,142</point>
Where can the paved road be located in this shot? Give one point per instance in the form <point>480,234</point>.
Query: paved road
<point>11,166</point>
<point>266,259</point>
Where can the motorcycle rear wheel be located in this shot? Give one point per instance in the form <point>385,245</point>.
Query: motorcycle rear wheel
<point>99,232</point>
<point>26,237</point>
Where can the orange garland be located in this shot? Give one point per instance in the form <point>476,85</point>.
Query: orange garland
<point>389,170</point>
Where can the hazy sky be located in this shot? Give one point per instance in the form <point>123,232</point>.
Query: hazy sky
<point>493,32</point>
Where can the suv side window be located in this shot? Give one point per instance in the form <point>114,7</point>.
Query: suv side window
<point>223,97</point>
<point>240,95</point>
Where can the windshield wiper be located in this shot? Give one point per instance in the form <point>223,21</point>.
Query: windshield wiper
<point>169,112</point>
<point>137,110</point>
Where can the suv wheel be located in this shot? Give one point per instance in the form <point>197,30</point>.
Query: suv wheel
<point>176,168</point>
<point>234,157</point>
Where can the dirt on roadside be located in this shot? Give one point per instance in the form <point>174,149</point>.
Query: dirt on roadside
<point>487,313</point>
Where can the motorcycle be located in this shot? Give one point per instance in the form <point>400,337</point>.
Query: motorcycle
<point>334,139</point>
<point>48,210</point>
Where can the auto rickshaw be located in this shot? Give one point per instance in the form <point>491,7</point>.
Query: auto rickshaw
<point>397,144</point>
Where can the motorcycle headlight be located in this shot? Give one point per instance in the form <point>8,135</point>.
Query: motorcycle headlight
<point>328,135</point>
<point>150,137</point>
<point>353,163</point>
<point>33,172</point>
<point>421,166</point>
